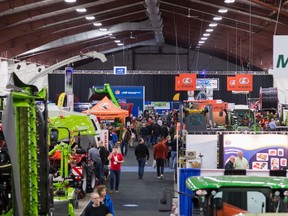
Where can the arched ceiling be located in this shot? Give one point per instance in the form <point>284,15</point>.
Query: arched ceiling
<point>49,31</point>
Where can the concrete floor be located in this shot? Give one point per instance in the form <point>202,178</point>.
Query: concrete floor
<point>137,197</point>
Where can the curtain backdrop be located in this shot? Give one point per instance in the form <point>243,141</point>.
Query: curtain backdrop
<point>157,87</point>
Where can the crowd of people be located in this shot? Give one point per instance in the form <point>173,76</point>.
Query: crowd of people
<point>148,131</point>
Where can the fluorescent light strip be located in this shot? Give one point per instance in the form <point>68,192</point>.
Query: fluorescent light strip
<point>229,1</point>
<point>204,38</point>
<point>223,10</point>
<point>89,17</point>
<point>97,24</point>
<point>81,10</point>
<point>213,24</point>
<point>209,30</point>
<point>206,34</point>
<point>70,1</point>
<point>217,18</point>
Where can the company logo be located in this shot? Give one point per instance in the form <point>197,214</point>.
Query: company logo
<point>105,105</point>
<point>227,142</point>
<point>187,81</point>
<point>244,80</point>
<point>117,92</point>
<point>232,82</point>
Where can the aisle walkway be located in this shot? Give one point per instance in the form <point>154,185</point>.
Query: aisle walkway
<point>140,197</point>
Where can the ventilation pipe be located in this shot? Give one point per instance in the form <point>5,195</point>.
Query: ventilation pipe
<point>152,7</point>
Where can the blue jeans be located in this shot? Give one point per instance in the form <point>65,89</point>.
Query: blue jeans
<point>99,171</point>
<point>155,139</point>
<point>173,159</point>
<point>124,144</point>
<point>114,175</point>
<point>141,165</point>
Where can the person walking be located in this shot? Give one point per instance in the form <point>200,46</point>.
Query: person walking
<point>126,136</point>
<point>94,156</point>
<point>104,153</point>
<point>241,162</point>
<point>97,208</point>
<point>173,158</point>
<point>105,198</point>
<point>160,153</point>
<point>230,164</point>
<point>142,155</point>
<point>116,159</point>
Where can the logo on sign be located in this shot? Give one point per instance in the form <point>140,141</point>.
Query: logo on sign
<point>187,81</point>
<point>232,82</point>
<point>105,105</point>
<point>117,92</point>
<point>244,80</point>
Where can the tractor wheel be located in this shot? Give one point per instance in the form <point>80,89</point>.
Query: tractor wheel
<point>83,187</point>
<point>91,178</point>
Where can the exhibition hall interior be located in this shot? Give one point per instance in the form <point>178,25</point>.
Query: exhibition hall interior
<point>143,107</point>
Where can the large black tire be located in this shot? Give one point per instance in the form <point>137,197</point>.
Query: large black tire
<point>83,186</point>
<point>91,178</point>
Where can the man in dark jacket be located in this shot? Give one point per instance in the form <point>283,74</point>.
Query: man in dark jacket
<point>230,164</point>
<point>142,154</point>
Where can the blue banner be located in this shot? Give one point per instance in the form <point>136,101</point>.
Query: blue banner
<point>128,92</point>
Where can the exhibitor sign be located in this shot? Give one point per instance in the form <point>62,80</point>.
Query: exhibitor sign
<point>120,70</point>
<point>280,56</point>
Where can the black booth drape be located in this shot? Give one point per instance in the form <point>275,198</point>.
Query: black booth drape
<point>157,87</point>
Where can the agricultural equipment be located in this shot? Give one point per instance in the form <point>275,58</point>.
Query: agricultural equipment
<point>235,194</point>
<point>24,182</point>
<point>75,122</point>
<point>99,93</point>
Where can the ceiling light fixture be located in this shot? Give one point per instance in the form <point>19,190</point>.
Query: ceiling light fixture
<point>89,17</point>
<point>229,1</point>
<point>204,38</point>
<point>103,29</point>
<point>113,37</point>
<point>206,34</point>
<point>223,10</point>
<point>213,24</point>
<point>209,30</point>
<point>97,24</point>
<point>110,34</point>
<point>120,44</point>
<point>117,41</point>
<point>70,1</point>
<point>81,10</point>
<point>201,42</point>
<point>218,18</point>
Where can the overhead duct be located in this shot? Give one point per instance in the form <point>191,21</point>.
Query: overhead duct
<point>155,18</point>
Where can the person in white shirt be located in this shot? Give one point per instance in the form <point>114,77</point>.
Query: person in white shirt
<point>241,162</point>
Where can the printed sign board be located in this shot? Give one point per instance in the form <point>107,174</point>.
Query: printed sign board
<point>280,56</point>
<point>120,70</point>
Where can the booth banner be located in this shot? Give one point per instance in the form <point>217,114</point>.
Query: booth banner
<point>280,56</point>
<point>185,82</point>
<point>69,80</point>
<point>104,136</point>
<point>240,82</point>
<point>128,92</point>
<point>207,83</point>
<point>263,151</point>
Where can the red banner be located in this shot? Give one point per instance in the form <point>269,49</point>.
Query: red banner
<point>240,82</point>
<point>185,82</point>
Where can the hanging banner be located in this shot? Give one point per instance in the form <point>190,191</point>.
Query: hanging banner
<point>185,82</point>
<point>280,56</point>
<point>240,82</point>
